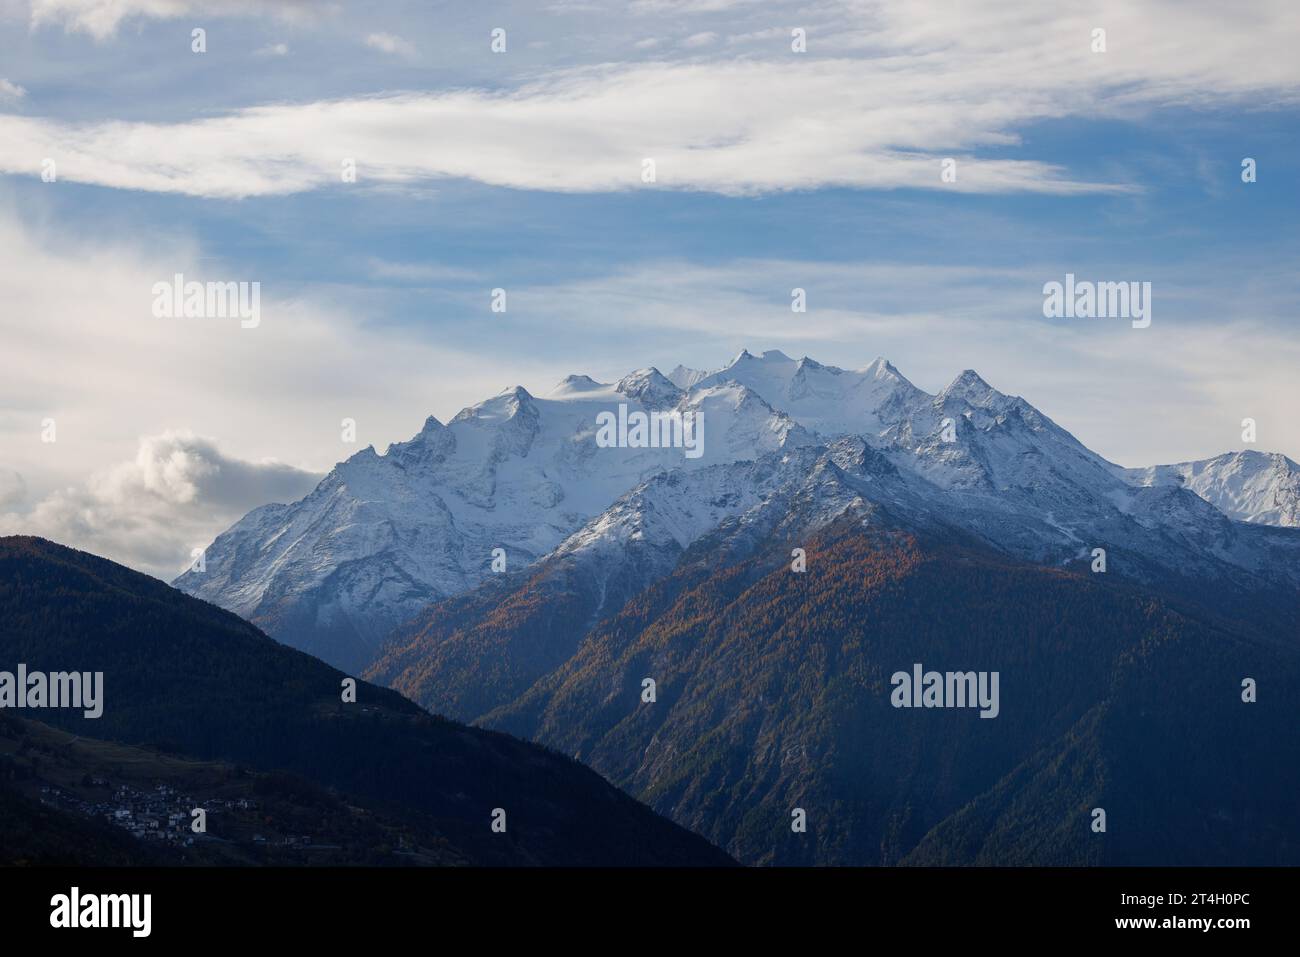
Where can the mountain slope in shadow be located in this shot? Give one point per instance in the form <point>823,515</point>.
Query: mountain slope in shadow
<point>184,676</point>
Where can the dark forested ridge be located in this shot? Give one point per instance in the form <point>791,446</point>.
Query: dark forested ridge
<point>71,799</point>
<point>773,693</point>
<point>185,677</point>
<point>774,689</point>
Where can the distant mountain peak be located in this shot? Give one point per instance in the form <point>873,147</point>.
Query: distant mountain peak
<point>768,356</point>
<point>685,378</point>
<point>968,385</point>
<point>380,537</point>
<point>650,387</point>
<point>369,453</point>
<point>432,443</point>
<point>576,384</point>
<point>882,368</point>
<point>1257,458</point>
<point>506,404</point>
<point>1248,485</point>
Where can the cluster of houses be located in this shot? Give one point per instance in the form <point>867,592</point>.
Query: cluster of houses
<point>162,814</point>
<point>165,814</point>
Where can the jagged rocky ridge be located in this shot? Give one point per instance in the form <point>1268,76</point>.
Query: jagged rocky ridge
<point>384,536</point>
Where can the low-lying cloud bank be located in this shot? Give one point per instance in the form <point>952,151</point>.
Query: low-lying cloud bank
<point>178,492</point>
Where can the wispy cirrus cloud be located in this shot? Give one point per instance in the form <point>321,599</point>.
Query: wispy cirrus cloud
<point>885,93</point>
<point>102,18</point>
<point>582,130</point>
<point>702,39</point>
<point>659,7</point>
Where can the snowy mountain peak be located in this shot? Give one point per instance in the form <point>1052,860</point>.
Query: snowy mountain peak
<point>367,454</point>
<point>770,357</point>
<point>650,387</point>
<point>970,387</point>
<point>824,399</point>
<point>685,378</point>
<point>382,536</point>
<point>576,385</point>
<point>882,368</point>
<point>506,404</point>
<point>429,446</point>
<point>1247,461</point>
<point>1248,485</point>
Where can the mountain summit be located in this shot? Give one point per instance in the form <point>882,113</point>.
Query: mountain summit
<point>518,478</point>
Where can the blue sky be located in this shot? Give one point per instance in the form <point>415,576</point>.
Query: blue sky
<point>521,170</point>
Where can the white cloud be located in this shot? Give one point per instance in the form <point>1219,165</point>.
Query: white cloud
<point>388,43</point>
<point>102,18</point>
<point>81,347</point>
<point>586,130</point>
<point>274,49</point>
<point>179,468</point>
<point>150,512</point>
<point>10,91</point>
<point>702,39</point>
<point>13,490</point>
<point>894,89</point>
<point>771,33</point>
<point>661,7</point>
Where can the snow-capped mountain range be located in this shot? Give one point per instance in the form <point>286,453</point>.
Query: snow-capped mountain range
<point>1248,486</point>
<point>383,536</point>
